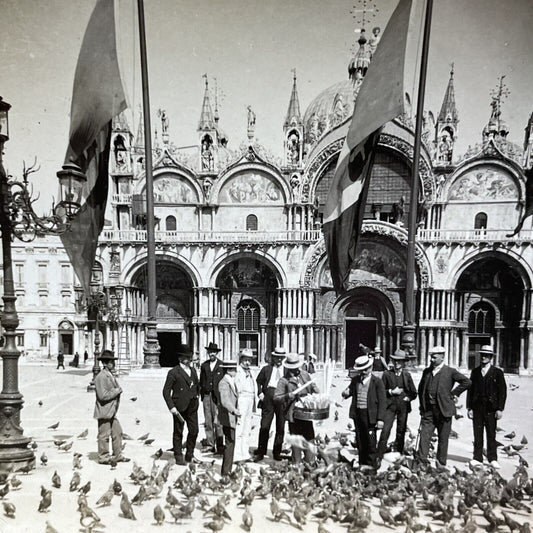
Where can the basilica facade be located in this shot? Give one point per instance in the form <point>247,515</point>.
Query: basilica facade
<point>240,257</point>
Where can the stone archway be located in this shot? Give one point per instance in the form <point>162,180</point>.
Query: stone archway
<point>494,281</point>
<point>174,305</point>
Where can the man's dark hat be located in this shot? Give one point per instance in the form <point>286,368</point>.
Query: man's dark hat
<point>183,351</point>
<point>107,355</point>
<point>213,347</point>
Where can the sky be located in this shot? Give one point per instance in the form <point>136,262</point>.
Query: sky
<point>250,47</point>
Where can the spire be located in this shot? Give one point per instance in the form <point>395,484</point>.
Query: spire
<point>216,115</point>
<point>207,119</point>
<point>448,111</point>
<point>497,128</point>
<point>359,63</point>
<point>293,112</point>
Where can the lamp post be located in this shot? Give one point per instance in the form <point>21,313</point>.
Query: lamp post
<point>102,304</point>
<point>18,219</point>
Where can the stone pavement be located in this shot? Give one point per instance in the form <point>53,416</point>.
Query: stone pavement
<point>65,400</point>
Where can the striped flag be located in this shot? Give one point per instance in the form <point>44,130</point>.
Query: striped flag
<point>97,97</point>
<point>379,100</point>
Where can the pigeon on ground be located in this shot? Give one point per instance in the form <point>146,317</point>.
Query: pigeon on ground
<point>106,498</point>
<point>83,434</point>
<point>247,519</point>
<point>133,399</point>
<point>59,442</point>
<point>126,508</point>
<point>44,459</point>
<point>159,453</point>
<point>40,403</point>
<point>67,446</point>
<point>50,528</point>
<point>159,515</point>
<point>15,483</point>
<point>137,421</point>
<point>34,445</point>
<point>215,525</point>
<point>143,437</point>
<point>56,480</point>
<point>9,509</point>
<point>510,436</point>
<point>147,442</point>
<point>54,426</point>
<point>46,500</point>
<point>74,482</point>
<point>86,488</point>
<point>117,487</point>
<point>4,490</point>
<point>524,441</point>
<point>76,461</point>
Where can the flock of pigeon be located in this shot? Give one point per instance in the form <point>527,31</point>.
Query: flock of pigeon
<point>332,494</point>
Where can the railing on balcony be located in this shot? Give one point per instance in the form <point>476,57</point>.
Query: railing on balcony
<point>472,235</point>
<point>212,236</point>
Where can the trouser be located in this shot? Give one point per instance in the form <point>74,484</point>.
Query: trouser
<point>430,420</point>
<point>190,415</point>
<point>396,411</point>
<point>365,436</point>
<point>307,431</point>
<point>109,427</point>
<point>269,410</point>
<point>60,364</point>
<point>244,427</point>
<point>484,419</point>
<point>213,430</point>
<point>227,458</point>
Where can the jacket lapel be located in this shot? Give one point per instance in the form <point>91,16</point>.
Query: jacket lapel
<point>186,377</point>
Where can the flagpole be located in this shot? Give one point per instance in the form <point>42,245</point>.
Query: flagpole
<point>409,327</point>
<point>151,347</point>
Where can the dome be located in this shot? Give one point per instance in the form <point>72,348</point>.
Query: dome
<point>329,109</point>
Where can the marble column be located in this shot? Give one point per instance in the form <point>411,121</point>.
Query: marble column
<point>422,352</point>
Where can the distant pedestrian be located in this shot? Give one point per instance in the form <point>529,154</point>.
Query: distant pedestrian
<point>379,364</point>
<point>437,395</point>
<point>367,409</point>
<point>60,360</point>
<point>485,401</point>
<point>75,361</point>
<point>309,364</point>
<point>180,392</point>
<point>210,374</point>
<point>228,412</point>
<point>85,356</point>
<point>108,393</point>
<point>401,391</point>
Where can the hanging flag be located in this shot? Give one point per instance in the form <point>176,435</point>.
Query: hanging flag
<point>528,211</point>
<point>379,100</point>
<point>97,97</point>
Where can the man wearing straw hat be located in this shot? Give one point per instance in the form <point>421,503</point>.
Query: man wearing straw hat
<point>288,391</point>
<point>108,393</point>
<point>267,382</point>
<point>247,391</point>
<point>367,409</point>
<point>210,374</point>
<point>401,391</point>
<point>485,401</point>
<point>181,396</point>
<point>228,412</point>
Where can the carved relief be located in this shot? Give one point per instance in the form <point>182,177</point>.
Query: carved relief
<point>484,183</point>
<point>173,190</point>
<point>251,188</point>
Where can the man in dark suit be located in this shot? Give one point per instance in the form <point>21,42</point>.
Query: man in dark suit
<point>485,401</point>
<point>400,391</point>
<point>210,375</point>
<point>437,395</point>
<point>267,381</point>
<point>181,396</point>
<point>367,409</point>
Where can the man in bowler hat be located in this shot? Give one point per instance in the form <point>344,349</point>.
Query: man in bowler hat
<point>485,401</point>
<point>210,374</point>
<point>401,391</point>
<point>180,392</point>
<point>108,393</point>
<point>439,386</point>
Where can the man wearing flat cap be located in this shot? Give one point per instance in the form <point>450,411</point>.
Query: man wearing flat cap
<point>401,391</point>
<point>180,392</point>
<point>485,401</point>
<point>210,375</point>
<point>367,409</point>
<point>267,382</point>
<point>108,393</point>
<point>437,395</point>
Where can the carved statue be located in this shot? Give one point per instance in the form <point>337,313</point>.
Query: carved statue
<point>251,117</point>
<point>398,211</point>
<point>164,120</point>
<point>374,40</point>
<point>445,149</point>
<point>120,151</point>
<point>293,149</point>
<point>207,154</point>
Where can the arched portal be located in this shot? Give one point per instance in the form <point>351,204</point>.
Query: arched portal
<point>492,299</point>
<point>247,298</point>
<point>174,306</point>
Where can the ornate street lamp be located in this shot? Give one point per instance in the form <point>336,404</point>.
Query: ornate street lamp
<point>18,219</point>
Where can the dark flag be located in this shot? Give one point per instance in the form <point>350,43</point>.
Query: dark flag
<point>528,211</point>
<point>380,99</point>
<point>97,97</point>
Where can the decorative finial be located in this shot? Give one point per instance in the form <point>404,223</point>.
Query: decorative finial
<point>251,124</point>
<point>498,95</point>
<point>293,70</point>
<point>363,13</point>
<point>452,69</point>
<point>206,80</point>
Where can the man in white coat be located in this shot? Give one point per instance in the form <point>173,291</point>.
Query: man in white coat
<point>247,391</point>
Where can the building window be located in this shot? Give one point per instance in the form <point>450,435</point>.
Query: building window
<point>19,273</point>
<point>43,337</point>
<point>65,274</point>
<point>481,319</point>
<point>248,316</point>
<point>251,223</point>
<point>480,222</point>
<point>20,339</point>
<point>170,223</point>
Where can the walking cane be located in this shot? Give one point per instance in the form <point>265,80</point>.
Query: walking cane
<point>418,435</point>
